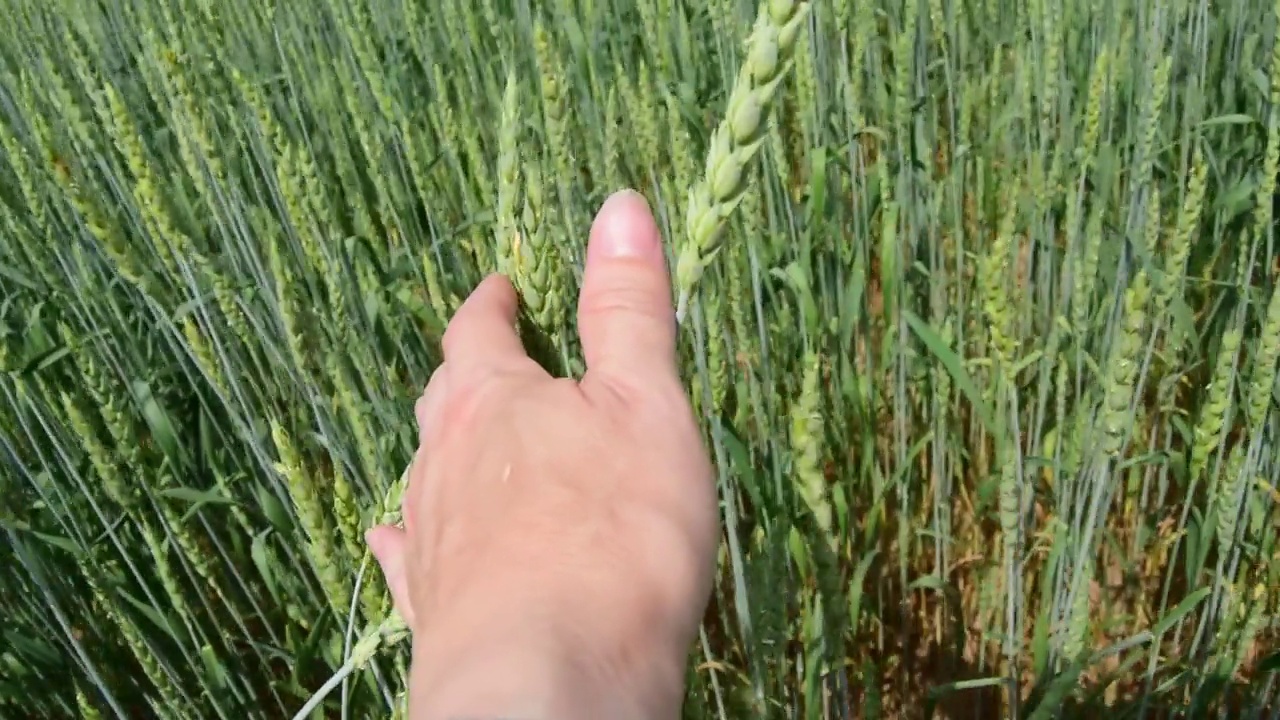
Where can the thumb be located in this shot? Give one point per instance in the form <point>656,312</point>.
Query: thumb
<point>625,316</point>
<point>388,545</point>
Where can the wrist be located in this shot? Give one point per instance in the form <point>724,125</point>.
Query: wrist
<point>536,663</point>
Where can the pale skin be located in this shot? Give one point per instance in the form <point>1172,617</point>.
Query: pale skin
<point>559,535</point>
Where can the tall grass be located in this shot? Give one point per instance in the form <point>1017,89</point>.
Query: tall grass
<point>984,337</point>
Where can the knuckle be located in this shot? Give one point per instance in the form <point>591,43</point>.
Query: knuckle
<point>465,404</point>
<point>421,410</point>
<point>472,400</point>
<point>453,333</point>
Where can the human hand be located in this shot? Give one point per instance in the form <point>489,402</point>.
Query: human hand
<point>559,536</point>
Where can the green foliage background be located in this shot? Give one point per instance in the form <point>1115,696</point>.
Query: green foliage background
<point>986,352</point>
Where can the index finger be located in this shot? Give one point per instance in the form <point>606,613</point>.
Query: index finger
<point>483,330</point>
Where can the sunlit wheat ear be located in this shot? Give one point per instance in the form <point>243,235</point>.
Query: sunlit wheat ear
<point>506,223</point>
<point>736,141</point>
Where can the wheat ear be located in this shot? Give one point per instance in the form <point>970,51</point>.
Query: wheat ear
<point>736,140</point>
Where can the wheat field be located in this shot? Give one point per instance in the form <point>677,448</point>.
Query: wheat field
<point>979,303</point>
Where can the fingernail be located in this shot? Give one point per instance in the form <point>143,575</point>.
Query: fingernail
<point>626,228</point>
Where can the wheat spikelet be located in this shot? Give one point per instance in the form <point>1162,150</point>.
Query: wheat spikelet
<point>165,572</point>
<point>102,460</point>
<point>1010,507</point>
<point>1179,248</point>
<point>1122,366</point>
<point>289,312</point>
<point>1254,618</point>
<point>613,141</point>
<point>289,163</point>
<point>1223,497</point>
<point>1233,615</point>
<point>806,99</point>
<point>995,271</point>
<point>28,180</point>
<point>540,275</point>
<point>346,512</point>
<point>1078,624</point>
<point>736,141</point>
<point>651,14</point>
<point>1263,377</point>
<point>506,226</point>
<point>717,355</point>
<point>904,53</point>
<point>555,114</point>
<point>1264,196</point>
<point>1052,26</point>
<point>642,108</point>
<point>59,95</point>
<point>683,167</point>
<point>353,408</point>
<point>311,515</point>
<point>95,219</point>
<point>203,354</point>
<point>1062,390</point>
<point>807,446</point>
<point>1213,414</point>
<point>1098,84</point>
<point>145,189</point>
<point>1150,123</point>
<point>134,640</point>
<point>105,461</point>
<point>357,28</point>
<point>1082,290</point>
<point>195,553</point>
<point>196,143</point>
<point>237,511</point>
<point>441,304</point>
<point>226,297</point>
<point>1151,224</point>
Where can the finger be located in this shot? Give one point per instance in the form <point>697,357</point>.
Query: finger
<point>389,547</point>
<point>430,406</point>
<point>625,316</point>
<point>483,331</point>
<point>413,491</point>
<point>429,412</point>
